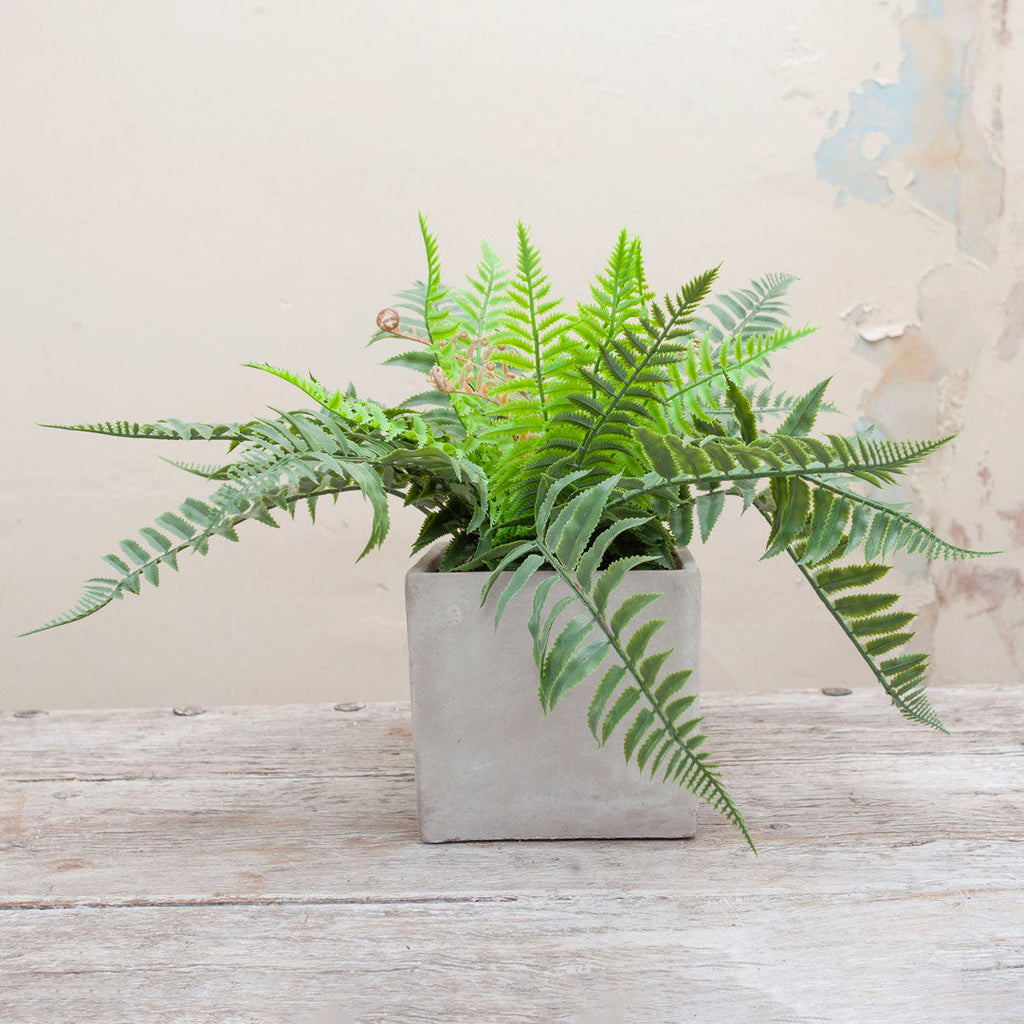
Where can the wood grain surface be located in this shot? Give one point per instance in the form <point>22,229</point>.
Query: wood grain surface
<point>262,864</point>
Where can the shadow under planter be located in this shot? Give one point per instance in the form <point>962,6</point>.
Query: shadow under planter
<point>489,763</point>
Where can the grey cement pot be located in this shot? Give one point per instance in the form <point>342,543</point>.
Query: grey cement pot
<point>489,764</point>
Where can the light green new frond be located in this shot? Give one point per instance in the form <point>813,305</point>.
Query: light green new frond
<point>739,356</point>
<point>618,298</point>
<point>361,416</point>
<point>484,302</point>
<point>628,381</point>
<point>754,311</point>
<point>533,321</point>
<point>437,319</point>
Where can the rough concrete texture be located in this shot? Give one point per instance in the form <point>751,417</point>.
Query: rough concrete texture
<point>489,763</point>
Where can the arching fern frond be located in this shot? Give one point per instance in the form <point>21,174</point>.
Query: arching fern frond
<point>869,623</point>
<point>633,692</point>
<point>882,529</point>
<point>724,459</point>
<point>160,430</point>
<point>252,494</point>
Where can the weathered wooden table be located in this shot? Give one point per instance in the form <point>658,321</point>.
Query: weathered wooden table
<point>262,865</point>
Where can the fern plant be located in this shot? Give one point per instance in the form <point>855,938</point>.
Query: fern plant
<point>585,441</point>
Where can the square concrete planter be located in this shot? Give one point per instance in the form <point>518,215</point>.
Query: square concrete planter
<point>489,764</point>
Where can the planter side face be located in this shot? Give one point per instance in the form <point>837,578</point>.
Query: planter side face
<point>489,764</point>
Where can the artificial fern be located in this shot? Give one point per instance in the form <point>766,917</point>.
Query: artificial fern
<point>588,443</point>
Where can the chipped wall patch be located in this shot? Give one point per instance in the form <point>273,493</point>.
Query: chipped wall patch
<point>925,123</point>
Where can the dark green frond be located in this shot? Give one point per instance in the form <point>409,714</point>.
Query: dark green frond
<point>633,691</point>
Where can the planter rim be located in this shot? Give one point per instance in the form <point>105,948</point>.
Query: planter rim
<point>429,560</point>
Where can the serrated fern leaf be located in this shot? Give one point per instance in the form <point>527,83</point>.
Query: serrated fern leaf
<point>765,401</point>
<point>206,471</point>
<point>648,705</point>
<point>438,322</point>
<point>721,459</point>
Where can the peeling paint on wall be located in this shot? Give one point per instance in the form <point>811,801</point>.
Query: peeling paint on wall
<point>920,134</point>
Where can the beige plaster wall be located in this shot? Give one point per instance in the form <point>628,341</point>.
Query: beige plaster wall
<point>186,186</point>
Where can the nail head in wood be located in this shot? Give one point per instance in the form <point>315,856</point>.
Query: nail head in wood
<point>836,691</point>
<point>356,705</point>
<point>190,711</point>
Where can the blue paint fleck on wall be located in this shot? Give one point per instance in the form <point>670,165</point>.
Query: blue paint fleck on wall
<point>925,123</point>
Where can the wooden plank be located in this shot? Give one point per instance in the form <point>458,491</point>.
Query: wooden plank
<point>122,842</point>
<point>262,864</point>
<point>949,957</point>
<point>314,740</point>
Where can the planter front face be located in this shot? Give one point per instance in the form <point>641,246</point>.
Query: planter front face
<point>489,764</point>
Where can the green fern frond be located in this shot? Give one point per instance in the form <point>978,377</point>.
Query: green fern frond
<point>804,413</point>
<point>437,319</point>
<point>633,691</point>
<point>718,460</point>
<point>754,311</point>
<point>902,676</point>
<point>884,529</point>
<point>484,303</point>
<point>533,320</point>
<point>618,299</point>
<point>207,472</point>
<point>739,357</point>
<point>629,377</point>
<point>161,430</point>
<point>193,524</point>
<point>766,401</point>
